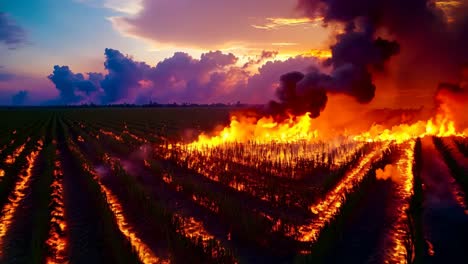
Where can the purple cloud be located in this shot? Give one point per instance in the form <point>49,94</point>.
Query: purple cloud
<point>20,98</point>
<point>212,78</point>
<point>11,34</point>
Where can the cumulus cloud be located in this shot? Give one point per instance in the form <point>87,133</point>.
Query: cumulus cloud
<point>11,34</point>
<point>214,77</point>
<point>73,88</point>
<point>20,98</point>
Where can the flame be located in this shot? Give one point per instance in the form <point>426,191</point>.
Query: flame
<point>16,197</point>
<point>329,206</point>
<point>248,129</point>
<point>404,191</point>
<point>145,254</point>
<point>57,241</point>
<point>111,134</point>
<point>194,229</point>
<point>10,159</point>
<point>441,126</point>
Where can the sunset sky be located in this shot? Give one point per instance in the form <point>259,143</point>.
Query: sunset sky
<point>76,33</point>
<point>115,51</point>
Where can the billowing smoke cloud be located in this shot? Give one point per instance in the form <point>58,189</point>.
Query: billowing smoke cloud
<point>357,53</point>
<point>431,42</point>
<point>451,99</point>
<point>20,98</point>
<point>74,88</point>
<point>11,34</point>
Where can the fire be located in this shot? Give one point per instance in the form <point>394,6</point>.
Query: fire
<point>326,209</point>
<point>17,195</point>
<point>248,129</point>
<point>12,157</point>
<point>404,190</point>
<point>194,229</point>
<point>294,129</point>
<point>145,254</point>
<point>57,241</point>
<point>111,134</point>
<point>441,126</point>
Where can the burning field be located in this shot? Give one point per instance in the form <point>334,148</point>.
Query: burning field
<point>361,158</point>
<point>129,185</point>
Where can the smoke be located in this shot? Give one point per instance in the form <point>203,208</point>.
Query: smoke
<point>20,98</point>
<point>451,100</point>
<point>356,53</point>
<point>430,42</point>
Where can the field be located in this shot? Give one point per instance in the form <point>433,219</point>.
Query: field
<point>125,185</point>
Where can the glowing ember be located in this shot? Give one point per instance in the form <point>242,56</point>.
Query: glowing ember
<point>332,202</point>
<point>57,241</point>
<point>111,134</point>
<point>12,158</point>
<point>194,229</point>
<point>15,198</point>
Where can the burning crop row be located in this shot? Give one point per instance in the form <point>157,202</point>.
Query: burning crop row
<point>17,195</point>
<point>57,241</point>
<point>329,206</point>
<point>145,254</point>
<point>12,157</point>
<point>398,236</point>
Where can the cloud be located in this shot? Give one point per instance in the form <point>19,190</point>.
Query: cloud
<point>212,78</point>
<point>74,88</point>
<point>5,76</point>
<point>20,98</point>
<point>214,24</point>
<point>11,34</point>
<point>124,74</point>
<point>278,22</point>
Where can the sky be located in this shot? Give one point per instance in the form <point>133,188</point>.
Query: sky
<point>293,52</point>
<point>76,33</point>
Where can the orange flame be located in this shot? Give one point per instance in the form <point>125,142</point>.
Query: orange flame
<point>441,126</point>
<point>404,190</point>
<point>145,254</point>
<point>16,197</point>
<point>10,159</point>
<point>111,134</point>
<point>57,241</point>
<point>327,208</point>
<point>247,129</point>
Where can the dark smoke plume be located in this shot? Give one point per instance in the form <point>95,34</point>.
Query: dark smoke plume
<point>374,31</point>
